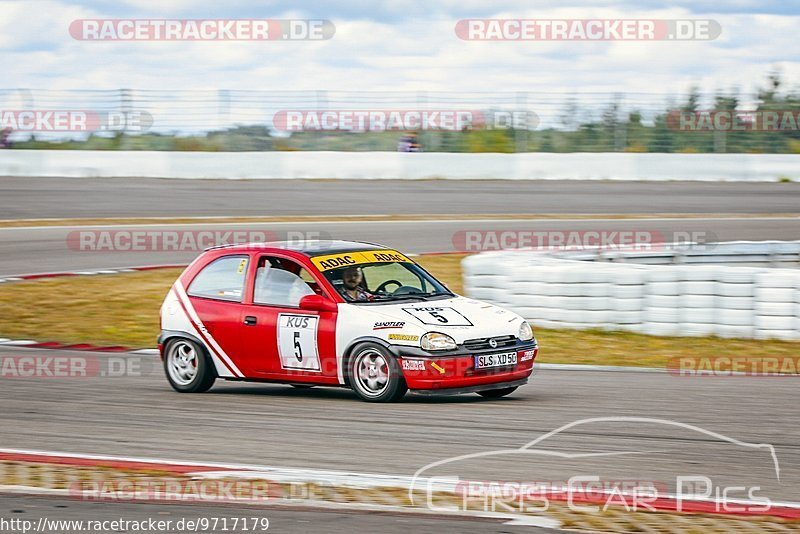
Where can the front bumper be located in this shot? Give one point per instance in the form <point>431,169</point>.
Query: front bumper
<point>456,371</point>
<point>471,389</point>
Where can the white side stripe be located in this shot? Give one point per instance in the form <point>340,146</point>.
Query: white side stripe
<point>184,298</point>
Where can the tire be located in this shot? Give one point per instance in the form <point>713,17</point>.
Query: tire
<point>188,367</point>
<point>374,374</point>
<point>497,393</point>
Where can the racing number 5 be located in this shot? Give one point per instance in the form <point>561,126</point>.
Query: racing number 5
<point>439,317</point>
<point>298,349</point>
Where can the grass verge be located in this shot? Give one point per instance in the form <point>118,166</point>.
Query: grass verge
<point>123,309</point>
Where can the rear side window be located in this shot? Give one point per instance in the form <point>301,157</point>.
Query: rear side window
<point>222,279</point>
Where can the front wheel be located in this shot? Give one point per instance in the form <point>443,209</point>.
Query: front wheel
<point>188,368</point>
<point>375,375</point>
<point>497,393</point>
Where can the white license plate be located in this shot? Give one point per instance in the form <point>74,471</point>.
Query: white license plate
<point>487,361</point>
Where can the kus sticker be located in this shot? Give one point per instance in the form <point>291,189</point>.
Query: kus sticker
<point>527,355</point>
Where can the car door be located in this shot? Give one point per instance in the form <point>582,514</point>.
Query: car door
<point>281,341</point>
<point>216,295</point>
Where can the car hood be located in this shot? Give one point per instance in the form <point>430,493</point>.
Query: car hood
<point>461,318</point>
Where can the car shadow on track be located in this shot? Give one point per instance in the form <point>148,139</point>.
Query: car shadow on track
<point>347,394</point>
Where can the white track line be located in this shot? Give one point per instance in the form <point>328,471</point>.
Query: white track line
<point>609,368</point>
<point>632,220</point>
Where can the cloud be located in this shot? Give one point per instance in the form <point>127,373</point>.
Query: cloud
<point>395,47</point>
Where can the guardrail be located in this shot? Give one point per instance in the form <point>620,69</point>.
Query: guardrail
<point>689,299</point>
<point>399,165</point>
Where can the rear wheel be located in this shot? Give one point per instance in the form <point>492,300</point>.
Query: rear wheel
<point>188,368</point>
<point>375,375</point>
<point>497,393</point>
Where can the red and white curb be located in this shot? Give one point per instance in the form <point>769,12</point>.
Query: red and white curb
<point>37,276</point>
<point>80,347</point>
<point>336,488</point>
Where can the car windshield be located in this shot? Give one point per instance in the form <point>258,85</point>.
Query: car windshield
<point>380,281</point>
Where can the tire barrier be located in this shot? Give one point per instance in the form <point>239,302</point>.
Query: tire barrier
<point>568,290</point>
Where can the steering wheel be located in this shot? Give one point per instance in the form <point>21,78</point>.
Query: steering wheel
<point>407,290</point>
<point>382,288</point>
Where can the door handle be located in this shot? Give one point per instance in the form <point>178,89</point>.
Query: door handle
<point>250,320</point>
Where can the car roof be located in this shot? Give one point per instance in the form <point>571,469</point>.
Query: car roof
<point>311,248</point>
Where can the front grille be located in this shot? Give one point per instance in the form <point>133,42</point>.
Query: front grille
<point>483,343</point>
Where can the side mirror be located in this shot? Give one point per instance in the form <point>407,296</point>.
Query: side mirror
<point>317,303</point>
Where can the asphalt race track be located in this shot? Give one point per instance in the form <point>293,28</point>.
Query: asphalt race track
<point>328,428</point>
<point>48,249</point>
<point>25,198</point>
<point>138,414</point>
<point>37,250</point>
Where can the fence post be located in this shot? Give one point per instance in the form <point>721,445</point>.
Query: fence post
<point>126,107</point>
<point>521,134</point>
<point>223,108</point>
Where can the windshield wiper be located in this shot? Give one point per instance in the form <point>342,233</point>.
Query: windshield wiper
<point>421,296</point>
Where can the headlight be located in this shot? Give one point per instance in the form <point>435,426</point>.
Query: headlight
<point>525,332</point>
<point>437,341</point>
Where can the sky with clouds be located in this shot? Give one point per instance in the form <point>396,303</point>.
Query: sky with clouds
<point>409,45</point>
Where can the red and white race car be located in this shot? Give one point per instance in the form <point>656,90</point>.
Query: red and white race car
<point>336,313</point>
